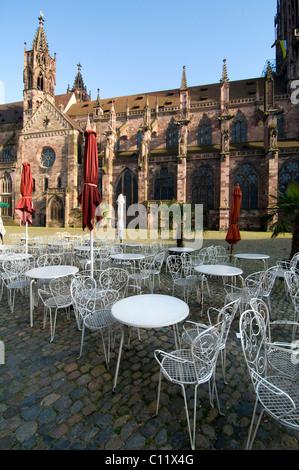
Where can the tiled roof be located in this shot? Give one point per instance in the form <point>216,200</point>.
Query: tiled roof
<point>239,90</point>
<point>62,99</point>
<point>11,113</point>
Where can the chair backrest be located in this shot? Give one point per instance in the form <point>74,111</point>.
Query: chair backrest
<point>205,349</point>
<point>49,259</point>
<point>258,305</point>
<point>220,255</point>
<point>159,260</point>
<point>83,290</point>
<point>292,282</point>
<point>253,338</point>
<point>267,281</point>
<point>114,278</point>
<point>61,286</point>
<point>16,267</point>
<point>174,266</point>
<point>294,261</point>
<point>110,296</point>
<point>227,315</point>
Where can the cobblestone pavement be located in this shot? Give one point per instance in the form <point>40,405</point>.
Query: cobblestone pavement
<point>50,399</point>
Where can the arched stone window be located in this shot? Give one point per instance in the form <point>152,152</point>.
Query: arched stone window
<point>288,173</point>
<point>164,186</point>
<point>203,187</point>
<point>128,186</point>
<point>56,210</point>
<point>6,183</point>
<point>247,178</point>
<point>204,133</point>
<point>238,128</point>
<point>172,135</point>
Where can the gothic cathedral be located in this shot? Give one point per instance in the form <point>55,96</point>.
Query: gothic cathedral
<point>189,144</point>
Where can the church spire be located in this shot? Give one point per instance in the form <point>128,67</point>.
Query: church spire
<point>184,79</point>
<point>40,41</point>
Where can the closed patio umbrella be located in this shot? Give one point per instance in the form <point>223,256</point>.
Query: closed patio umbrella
<point>233,233</point>
<point>90,197</point>
<point>24,209</point>
<point>120,215</point>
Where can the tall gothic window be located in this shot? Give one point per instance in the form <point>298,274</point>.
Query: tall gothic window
<point>238,128</point>
<point>128,186</point>
<point>288,173</point>
<point>203,187</point>
<point>247,178</point>
<point>164,186</point>
<point>280,122</point>
<point>172,135</point>
<point>204,134</point>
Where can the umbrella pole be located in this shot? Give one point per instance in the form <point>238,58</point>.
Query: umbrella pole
<point>26,238</point>
<point>91,252</point>
<point>231,252</point>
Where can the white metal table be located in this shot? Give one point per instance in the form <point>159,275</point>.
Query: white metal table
<point>181,249</point>
<point>253,256</point>
<point>47,272</point>
<point>218,270</point>
<point>148,311</point>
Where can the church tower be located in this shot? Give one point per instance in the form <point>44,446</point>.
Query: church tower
<point>287,40</point>
<point>39,72</point>
<point>79,88</point>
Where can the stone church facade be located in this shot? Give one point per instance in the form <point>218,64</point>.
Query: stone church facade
<point>189,144</point>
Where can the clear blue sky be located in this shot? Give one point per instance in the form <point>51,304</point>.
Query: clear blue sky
<point>129,46</point>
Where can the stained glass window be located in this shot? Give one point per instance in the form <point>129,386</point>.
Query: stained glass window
<point>247,178</point>
<point>48,157</point>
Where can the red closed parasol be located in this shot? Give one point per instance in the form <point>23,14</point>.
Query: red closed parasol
<point>90,197</point>
<point>24,209</point>
<point>233,233</point>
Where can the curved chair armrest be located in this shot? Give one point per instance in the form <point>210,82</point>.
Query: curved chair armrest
<point>208,313</point>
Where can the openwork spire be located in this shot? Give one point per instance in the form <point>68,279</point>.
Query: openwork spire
<point>40,41</point>
<point>184,79</point>
<point>224,78</point>
<point>269,74</point>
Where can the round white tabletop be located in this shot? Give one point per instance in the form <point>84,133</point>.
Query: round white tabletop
<point>181,249</point>
<point>51,272</point>
<point>252,256</point>
<point>130,244</point>
<point>150,311</point>
<point>218,270</point>
<point>14,256</point>
<point>127,256</point>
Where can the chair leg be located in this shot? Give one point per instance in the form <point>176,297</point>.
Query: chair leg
<point>251,438</point>
<point>159,391</point>
<point>82,339</point>
<point>191,434</point>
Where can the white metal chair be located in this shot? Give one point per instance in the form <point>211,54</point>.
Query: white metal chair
<point>278,395</point>
<point>189,264</point>
<point>95,317</point>
<point>60,289</point>
<point>192,329</point>
<point>192,366</point>
<point>141,274</point>
<point>292,286</point>
<point>16,280</point>
<point>181,277</point>
<point>287,265</point>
